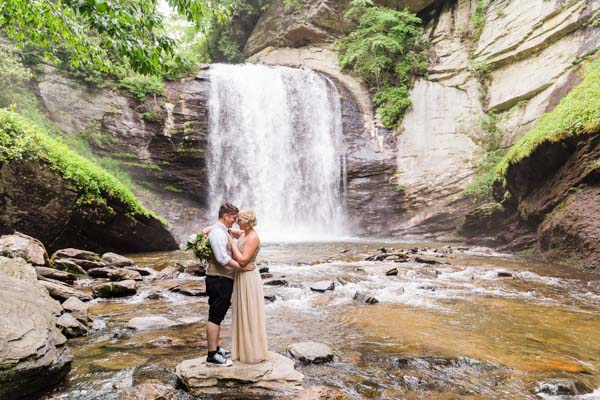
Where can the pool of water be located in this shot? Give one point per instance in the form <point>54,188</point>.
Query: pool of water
<point>477,325</point>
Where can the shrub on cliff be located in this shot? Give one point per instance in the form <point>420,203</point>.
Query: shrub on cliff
<point>22,140</point>
<point>387,50</point>
<point>142,85</point>
<point>578,113</point>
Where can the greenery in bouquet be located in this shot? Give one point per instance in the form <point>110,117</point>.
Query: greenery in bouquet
<point>200,246</point>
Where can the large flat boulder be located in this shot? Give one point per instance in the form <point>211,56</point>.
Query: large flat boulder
<point>274,375</point>
<point>33,354</point>
<point>56,274</point>
<point>62,292</point>
<point>26,247</point>
<point>115,289</point>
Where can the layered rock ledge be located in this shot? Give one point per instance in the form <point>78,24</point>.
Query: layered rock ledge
<point>276,376</point>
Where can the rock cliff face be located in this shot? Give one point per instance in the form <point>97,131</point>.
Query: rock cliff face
<point>524,61</point>
<point>405,182</point>
<point>37,200</point>
<point>161,142</point>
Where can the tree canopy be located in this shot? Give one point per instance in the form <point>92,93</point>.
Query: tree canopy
<point>100,34</point>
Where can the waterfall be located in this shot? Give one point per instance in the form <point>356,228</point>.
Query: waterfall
<point>276,146</point>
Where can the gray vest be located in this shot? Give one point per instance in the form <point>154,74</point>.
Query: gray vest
<point>216,269</point>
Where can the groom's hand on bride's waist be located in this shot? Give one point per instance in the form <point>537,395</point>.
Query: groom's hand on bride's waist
<point>249,267</point>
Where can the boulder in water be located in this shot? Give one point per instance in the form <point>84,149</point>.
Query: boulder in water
<point>33,351</point>
<point>193,288</point>
<point>123,274</point>
<point>55,274</point>
<point>392,272</point>
<point>151,322</point>
<point>322,286</point>
<point>78,309</point>
<point>100,272</point>
<point>76,254</point>
<point>70,326</point>
<point>26,247</point>
<point>115,289</point>
<point>560,387</point>
<point>276,282</point>
<point>62,292</point>
<point>276,375</point>
<point>117,260</point>
<point>311,352</point>
<point>69,265</point>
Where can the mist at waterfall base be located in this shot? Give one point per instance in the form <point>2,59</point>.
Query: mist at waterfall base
<point>276,146</point>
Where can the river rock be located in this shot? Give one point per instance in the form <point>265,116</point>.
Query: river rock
<point>87,264</point>
<point>69,265</point>
<point>170,272</point>
<point>311,352</point>
<point>150,391</point>
<point>116,260</point>
<point>429,261</point>
<point>266,275</point>
<point>193,288</point>
<point>56,274</point>
<point>392,272</point>
<point>123,274</point>
<point>78,309</point>
<point>151,322</point>
<point>276,282</point>
<point>140,270</point>
<point>263,270</point>
<point>62,292</point>
<point>33,351</point>
<point>559,387</point>
<point>504,274</point>
<point>276,375</point>
<point>361,297</point>
<point>70,326</point>
<point>322,286</point>
<point>26,247</point>
<point>115,289</point>
<point>76,254</point>
<point>100,272</point>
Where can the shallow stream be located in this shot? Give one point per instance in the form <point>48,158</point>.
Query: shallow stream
<point>479,325</point>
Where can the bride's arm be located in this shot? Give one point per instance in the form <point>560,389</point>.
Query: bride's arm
<point>244,258</point>
<point>207,230</point>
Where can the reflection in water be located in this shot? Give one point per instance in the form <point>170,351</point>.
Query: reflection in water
<point>450,330</point>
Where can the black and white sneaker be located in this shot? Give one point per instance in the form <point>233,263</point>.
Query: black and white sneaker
<point>218,360</point>
<point>224,352</point>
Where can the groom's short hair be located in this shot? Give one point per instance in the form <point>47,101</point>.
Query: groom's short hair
<point>228,208</point>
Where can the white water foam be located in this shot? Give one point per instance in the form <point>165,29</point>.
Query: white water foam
<point>276,146</point>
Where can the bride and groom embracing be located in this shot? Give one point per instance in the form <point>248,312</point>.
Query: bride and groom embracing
<point>232,278</point>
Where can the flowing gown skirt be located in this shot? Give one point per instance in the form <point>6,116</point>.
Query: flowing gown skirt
<point>249,328</point>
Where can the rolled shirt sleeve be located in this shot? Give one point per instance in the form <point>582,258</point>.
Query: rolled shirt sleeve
<point>218,243</point>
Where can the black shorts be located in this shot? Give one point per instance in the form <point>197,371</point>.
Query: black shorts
<point>219,290</point>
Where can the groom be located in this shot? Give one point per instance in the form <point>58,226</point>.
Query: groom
<point>219,283</point>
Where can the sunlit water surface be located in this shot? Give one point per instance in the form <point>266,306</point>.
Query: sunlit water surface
<point>445,331</point>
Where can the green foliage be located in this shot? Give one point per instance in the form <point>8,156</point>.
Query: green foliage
<point>293,5</point>
<point>482,71</point>
<point>20,139</point>
<point>142,85</point>
<point>99,34</point>
<point>478,18</point>
<point>219,44</point>
<point>481,189</point>
<point>392,102</point>
<point>11,66</point>
<point>578,113</point>
<point>387,50</point>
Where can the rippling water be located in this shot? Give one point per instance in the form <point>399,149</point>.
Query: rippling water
<point>445,331</point>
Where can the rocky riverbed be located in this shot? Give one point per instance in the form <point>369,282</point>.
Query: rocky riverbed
<point>389,320</point>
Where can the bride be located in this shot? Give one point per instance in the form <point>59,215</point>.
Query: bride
<point>249,333</point>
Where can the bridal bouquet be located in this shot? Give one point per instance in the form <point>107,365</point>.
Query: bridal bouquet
<point>200,245</point>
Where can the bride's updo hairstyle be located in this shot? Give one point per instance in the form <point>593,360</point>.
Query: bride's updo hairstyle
<point>248,217</point>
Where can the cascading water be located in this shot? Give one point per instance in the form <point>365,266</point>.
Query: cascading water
<point>276,146</point>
